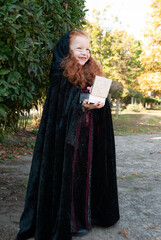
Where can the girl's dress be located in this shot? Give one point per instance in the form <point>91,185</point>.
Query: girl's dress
<point>72,183</point>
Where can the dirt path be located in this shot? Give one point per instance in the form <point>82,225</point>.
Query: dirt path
<point>139,186</point>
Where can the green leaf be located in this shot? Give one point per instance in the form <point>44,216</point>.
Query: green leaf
<point>4,71</point>
<point>16,91</point>
<point>4,92</point>
<point>24,102</point>
<point>18,15</point>
<point>6,84</point>
<point>32,87</point>
<point>28,100</point>
<point>28,94</point>
<point>2,112</point>
<point>3,57</point>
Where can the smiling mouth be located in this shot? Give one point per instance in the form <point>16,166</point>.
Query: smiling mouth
<point>82,58</point>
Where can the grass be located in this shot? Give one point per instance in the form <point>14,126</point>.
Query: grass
<point>146,122</point>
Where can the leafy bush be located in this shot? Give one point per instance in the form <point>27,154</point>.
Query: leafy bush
<point>150,100</point>
<point>134,108</point>
<point>129,93</point>
<point>28,32</point>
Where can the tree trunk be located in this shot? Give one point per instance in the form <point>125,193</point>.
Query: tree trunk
<point>132,100</point>
<point>117,105</point>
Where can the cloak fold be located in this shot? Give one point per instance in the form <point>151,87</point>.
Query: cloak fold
<point>56,170</point>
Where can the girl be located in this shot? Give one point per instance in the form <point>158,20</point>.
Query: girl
<point>72,183</point>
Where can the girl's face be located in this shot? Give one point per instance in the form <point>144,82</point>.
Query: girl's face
<point>80,48</point>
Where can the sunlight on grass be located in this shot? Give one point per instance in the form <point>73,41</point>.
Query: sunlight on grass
<point>137,123</point>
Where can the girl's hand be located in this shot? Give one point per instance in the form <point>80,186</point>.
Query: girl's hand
<point>89,106</point>
<point>89,89</point>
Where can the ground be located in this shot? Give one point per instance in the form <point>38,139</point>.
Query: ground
<point>139,179</point>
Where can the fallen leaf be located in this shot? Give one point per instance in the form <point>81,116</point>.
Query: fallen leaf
<point>123,177</point>
<point>125,234</point>
<point>8,181</point>
<point>153,227</point>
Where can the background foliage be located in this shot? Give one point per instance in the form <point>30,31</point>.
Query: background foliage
<point>28,32</point>
<point>126,60</point>
<point>150,80</point>
<point>119,54</point>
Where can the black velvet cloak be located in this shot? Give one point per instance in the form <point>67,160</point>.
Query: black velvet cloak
<point>68,138</point>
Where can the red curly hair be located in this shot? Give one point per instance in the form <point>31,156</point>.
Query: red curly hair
<point>80,75</point>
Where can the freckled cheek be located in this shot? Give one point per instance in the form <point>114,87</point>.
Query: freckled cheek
<point>76,55</point>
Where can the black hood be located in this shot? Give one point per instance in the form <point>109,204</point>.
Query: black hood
<point>61,50</point>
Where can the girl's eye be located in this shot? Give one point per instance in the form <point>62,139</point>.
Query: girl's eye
<point>81,50</point>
